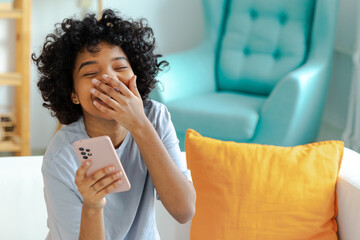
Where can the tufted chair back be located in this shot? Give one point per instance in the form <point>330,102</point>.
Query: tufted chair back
<point>261,42</point>
<point>214,12</point>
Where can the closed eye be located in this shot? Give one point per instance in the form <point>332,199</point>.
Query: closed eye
<point>119,68</point>
<point>90,74</point>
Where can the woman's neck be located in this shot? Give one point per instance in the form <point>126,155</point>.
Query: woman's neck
<point>96,127</point>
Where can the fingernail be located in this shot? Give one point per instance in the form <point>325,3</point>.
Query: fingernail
<point>87,163</point>
<point>92,90</point>
<point>105,76</point>
<point>94,80</point>
<point>111,168</point>
<point>119,174</point>
<point>119,182</point>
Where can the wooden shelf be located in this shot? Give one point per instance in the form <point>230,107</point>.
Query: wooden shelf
<point>10,79</point>
<point>13,13</point>
<point>19,140</point>
<point>10,146</point>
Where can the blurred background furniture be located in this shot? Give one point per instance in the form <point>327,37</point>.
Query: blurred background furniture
<point>19,141</point>
<point>260,75</point>
<point>23,212</point>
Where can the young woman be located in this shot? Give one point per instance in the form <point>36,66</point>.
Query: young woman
<point>95,77</point>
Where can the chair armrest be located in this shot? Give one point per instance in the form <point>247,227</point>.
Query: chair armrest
<point>295,104</point>
<point>348,196</point>
<point>191,72</point>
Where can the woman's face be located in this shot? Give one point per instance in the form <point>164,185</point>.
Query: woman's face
<point>110,60</point>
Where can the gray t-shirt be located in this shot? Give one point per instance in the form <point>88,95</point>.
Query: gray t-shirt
<point>127,215</point>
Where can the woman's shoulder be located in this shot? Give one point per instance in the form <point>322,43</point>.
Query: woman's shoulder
<point>155,110</point>
<point>61,143</point>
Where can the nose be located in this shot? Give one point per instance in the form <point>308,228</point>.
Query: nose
<point>109,72</point>
<point>124,78</point>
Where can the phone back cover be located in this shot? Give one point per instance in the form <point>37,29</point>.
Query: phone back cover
<point>102,153</point>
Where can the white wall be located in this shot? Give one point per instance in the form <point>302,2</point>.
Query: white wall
<point>173,22</point>
<point>335,112</point>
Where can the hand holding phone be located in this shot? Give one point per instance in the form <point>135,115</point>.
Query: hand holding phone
<point>102,154</point>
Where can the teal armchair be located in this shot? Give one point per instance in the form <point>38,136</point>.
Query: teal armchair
<point>260,75</point>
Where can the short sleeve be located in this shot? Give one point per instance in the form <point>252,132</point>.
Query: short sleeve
<point>167,133</point>
<point>62,203</point>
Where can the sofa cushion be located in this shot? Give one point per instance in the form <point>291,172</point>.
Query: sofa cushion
<point>252,191</point>
<point>263,40</point>
<point>238,114</point>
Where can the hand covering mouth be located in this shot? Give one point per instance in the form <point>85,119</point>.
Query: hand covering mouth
<point>94,98</point>
<point>101,102</point>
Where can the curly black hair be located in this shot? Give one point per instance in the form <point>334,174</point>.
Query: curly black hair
<point>56,62</point>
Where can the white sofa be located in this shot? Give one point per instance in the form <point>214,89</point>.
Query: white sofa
<point>23,211</point>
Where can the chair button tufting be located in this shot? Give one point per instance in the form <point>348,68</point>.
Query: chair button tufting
<point>277,54</point>
<point>253,14</point>
<point>283,18</point>
<point>246,51</point>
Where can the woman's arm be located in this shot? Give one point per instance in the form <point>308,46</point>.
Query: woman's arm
<point>92,223</point>
<point>175,191</point>
<point>93,190</point>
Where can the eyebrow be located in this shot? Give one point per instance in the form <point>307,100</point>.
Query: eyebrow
<point>86,63</point>
<point>119,58</point>
<point>94,62</point>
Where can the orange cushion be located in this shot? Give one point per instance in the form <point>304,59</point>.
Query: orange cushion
<point>262,192</point>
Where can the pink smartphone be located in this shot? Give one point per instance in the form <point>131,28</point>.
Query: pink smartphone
<point>101,152</point>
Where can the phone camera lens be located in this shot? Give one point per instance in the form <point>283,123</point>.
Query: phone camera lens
<point>83,153</point>
<point>88,150</point>
<point>81,149</point>
<point>89,154</point>
<point>85,157</point>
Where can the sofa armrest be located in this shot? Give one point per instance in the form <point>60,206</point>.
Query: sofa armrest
<point>190,72</point>
<point>348,196</point>
<point>23,210</point>
<point>168,227</point>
